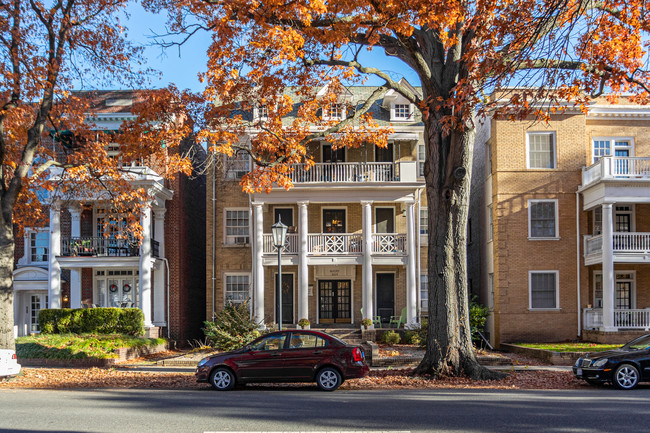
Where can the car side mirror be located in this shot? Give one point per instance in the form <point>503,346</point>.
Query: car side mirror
<point>247,348</point>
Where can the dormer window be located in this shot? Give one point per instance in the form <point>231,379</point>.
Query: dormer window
<point>401,112</point>
<point>334,112</point>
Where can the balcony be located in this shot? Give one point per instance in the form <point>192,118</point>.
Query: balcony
<point>340,244</point>
<point>617,167</point>
<point>355,172</point>
<point>103,247</point>
<point>627,247</point>
<point>624,319</point>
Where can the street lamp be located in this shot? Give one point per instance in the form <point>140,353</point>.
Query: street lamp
<point>279,232</point>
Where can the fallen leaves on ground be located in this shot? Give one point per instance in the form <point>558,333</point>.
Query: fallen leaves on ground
<point>68,378</point>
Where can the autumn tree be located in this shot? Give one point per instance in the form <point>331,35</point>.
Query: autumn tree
<point>47,143</point>
<point>560,52</point>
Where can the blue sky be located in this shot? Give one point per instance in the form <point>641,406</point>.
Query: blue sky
<point>181,65</point>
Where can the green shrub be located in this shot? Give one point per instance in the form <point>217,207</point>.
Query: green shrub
<point>232,328</point>
<point>128,321</point>
<point>478,315</point>
<point>411,337</point>
<point>390,337</point>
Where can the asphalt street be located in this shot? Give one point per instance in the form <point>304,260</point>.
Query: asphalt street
<point>598,409</point>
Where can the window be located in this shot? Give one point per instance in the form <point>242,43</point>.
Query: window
<point>424,221</point>
<point>117,288</point>
<point>598,220</point>
<point>39,244</point>
<point>334,112</point>
<point>490,290</point>
<point>421,159</point>
<point>300,340</point>
<point>236,166</point>
<point>488,156</point>
<point>624,290</point>
<point>543,289</point>
<point>490,232</point>
<point>237,288</point>
<point>401,112</point>
<point>541,150</point>
<point>622,147</point>
<point>272,342</point>
<point>424,293</point>
<point>236,226</point>
<point>542,219</point>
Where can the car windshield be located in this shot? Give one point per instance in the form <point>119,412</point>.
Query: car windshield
<point>638,344</point>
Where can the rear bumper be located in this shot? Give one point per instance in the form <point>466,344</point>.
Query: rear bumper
<point>10,370</point>
<point>357,371</point>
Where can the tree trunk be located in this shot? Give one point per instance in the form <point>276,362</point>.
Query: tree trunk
<point>6,285</point>
<point>449,349</point>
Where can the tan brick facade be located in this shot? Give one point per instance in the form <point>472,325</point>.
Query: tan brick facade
<point>512,254</point>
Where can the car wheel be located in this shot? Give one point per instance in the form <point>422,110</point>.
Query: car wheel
<point>328,379</point>
<point>626,376</point>
<point>222,379</point>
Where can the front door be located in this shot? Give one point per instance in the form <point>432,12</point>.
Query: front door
<point>121,292</point>
<point>334,301</point>
<point>385,286</point>
<point>287,297</point>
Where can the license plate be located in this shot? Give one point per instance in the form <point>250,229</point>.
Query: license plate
<point>579,372</point>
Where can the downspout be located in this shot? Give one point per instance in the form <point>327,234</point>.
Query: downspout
<point>164,259</point>
<point>578,260</point>
<point>214,231</point>
<point>253,254</point>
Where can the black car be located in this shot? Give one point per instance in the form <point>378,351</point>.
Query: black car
<point>624,367</point>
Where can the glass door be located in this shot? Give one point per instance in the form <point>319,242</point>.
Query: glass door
<point>36,304</point>
<point>121,292</point>
<point>334,301</point>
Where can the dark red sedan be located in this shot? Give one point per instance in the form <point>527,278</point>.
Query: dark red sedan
<point>286,356</point>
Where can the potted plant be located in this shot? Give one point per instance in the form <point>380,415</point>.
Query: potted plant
<point>366,323</point>
<point>303,323</point>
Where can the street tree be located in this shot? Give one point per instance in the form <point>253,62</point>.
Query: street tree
<point>558,52</point>
<point>48,146</point>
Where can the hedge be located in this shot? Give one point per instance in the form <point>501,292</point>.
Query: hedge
<point>128,321</point>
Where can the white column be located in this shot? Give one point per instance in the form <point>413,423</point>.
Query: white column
<point>366,281</point>
<point>303,269</point>
<point>411,277</point>
<point>159,272</point>
<point>54,268</point>
<point>145,267</point>
<point>75,273</point>
<point>608,269</point>
<point>258,301</point>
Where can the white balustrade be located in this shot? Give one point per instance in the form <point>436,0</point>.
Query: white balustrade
<point>341,243</point>
<point>389,243</point>
<point>627,319</point>
<point>617,167</point>
<point>634,242</point>
<point>344,172</point>
<point>290,246</point>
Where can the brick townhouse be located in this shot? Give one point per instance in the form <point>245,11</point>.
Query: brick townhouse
<point>357,229</point>
<point>565,228</point>
<point>73,263</point>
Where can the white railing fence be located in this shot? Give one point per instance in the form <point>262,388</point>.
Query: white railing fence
<point>628,319</point>
<point>634,242</point>
<point>616,166</point>
<point>342,243</point>
<point>389,243</point>
<point>290,246</point>
<point>344,172</point>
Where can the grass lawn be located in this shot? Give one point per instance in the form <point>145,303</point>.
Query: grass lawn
<point>571,347</point>
<point>75,346</point>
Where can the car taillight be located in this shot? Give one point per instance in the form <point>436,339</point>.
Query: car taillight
<point>357,354</point>
<point>14,356</point>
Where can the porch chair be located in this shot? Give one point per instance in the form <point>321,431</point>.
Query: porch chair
<point>376,320</point>
<point>399,321</point>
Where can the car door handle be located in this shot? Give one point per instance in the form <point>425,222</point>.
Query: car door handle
<point>318,352</point>
<point>276,354</point>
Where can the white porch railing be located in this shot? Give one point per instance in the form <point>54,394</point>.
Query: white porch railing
<point>344,172</point>
<point>610,167</point>
<point>389,243</point>
<point>343,243</point>
<point>628,319</point>
<point>634,242</point>
<point>290,247</point>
